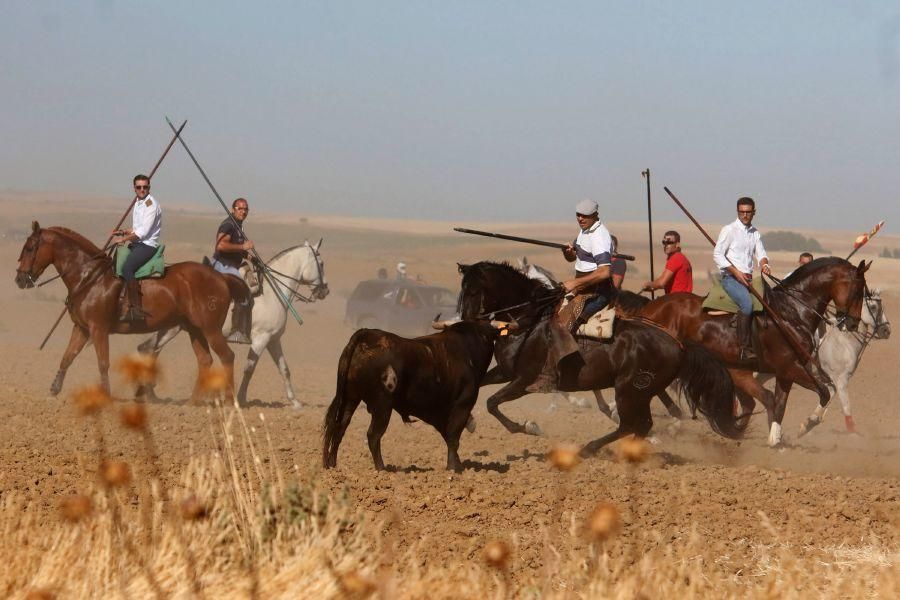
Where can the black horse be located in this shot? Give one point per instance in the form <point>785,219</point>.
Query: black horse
<point>640,361</point>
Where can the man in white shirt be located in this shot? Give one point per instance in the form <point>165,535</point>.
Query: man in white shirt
<point>142,240</point>
<point>592,254</point>
<point>738,244</point>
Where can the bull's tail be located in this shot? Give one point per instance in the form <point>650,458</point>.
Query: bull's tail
<point>333,429</point>
<point>706,383</point>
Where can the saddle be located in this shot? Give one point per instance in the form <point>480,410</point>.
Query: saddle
<point>252,276</point>
<point>155,267</point>
<point>719,301</point>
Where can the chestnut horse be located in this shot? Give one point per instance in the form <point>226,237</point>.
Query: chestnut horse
<point>190,295</point>
<point>801,300</point>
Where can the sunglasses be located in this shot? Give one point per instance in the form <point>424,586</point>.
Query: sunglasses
<point>668,242</point>
<point>746,212</point>
<point>142,187</point>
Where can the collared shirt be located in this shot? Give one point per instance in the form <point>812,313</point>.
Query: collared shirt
<point>682,274</point>
<point>146,221</point>
<point>235,235</point>
<point>593,248</point>
<point>740,244</point>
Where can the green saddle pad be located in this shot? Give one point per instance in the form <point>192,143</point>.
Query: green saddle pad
<point>155,267</point>
<point>717,299</point>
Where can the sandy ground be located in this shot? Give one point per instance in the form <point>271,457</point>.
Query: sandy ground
<point>827,489</point>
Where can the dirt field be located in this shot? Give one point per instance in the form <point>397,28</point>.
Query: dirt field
<point>827,490</point>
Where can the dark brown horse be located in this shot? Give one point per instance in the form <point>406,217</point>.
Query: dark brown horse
<point>639,362</point>
<point>801,300</point>
<point>190,295</point>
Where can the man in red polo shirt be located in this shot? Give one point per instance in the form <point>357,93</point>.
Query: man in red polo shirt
<point>678,275</point>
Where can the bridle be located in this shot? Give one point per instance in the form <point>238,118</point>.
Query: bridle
<point>29,274</point>
<point>317,287</point>
<point>841,319</point>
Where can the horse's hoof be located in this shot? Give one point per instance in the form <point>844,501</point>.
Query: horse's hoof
<point>652,439</point>
<point>470,424</point>
<point>295,404</point>
<point>532,428</point>
<point>614,415</point>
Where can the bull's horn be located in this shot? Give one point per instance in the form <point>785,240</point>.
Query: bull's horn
<point>510,325</point>
<point>440,324</point>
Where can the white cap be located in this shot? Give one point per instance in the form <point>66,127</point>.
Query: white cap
<point>401,266</point>
<point>586,207</point>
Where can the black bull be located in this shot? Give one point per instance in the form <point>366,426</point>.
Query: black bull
<point>434,378</point>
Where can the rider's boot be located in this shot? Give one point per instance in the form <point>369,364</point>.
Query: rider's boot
<point>135,312</point>
<point>241,321</point>
<point>744,324</point>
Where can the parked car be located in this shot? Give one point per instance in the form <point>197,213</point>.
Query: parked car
<point>401,306</point>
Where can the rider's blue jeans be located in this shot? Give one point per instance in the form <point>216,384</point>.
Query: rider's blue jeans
<point>738,292</point>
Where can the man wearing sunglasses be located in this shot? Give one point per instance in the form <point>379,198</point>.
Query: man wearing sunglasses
<point>143,240</point>
<point>738,244</point>
<point>678,276</point>
<point>232,247</point>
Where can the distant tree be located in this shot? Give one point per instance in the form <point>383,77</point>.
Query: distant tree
<point>792,241</point>
<point>886,253</point>
<point>896,252</point>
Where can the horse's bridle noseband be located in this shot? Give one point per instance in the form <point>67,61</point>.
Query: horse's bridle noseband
<point>29,274</point>
<point>316,287</point>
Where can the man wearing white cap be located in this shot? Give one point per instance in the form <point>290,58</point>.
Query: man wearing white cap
<point>592,254</point>
<point>401,270</point>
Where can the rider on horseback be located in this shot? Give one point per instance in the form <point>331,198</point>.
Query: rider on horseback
<point>143,240</point>
<point>232,248</point>
<point>736,247</point>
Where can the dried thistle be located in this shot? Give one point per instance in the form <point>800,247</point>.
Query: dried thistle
<point>213,379</point>
<point>115,473</point>
<point>633,449</point>
<point>91,400</point>
<point>75,508</point>
<point>134,416</point>
<point>564,457</point>
<point>140,369</point>
<point>496,554</point>
<point>356,585</point>
<point>604,522</point>
<point>192,509</point>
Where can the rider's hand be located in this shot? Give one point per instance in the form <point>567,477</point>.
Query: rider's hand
<point>648,287</point>
<point>748,278</point>
<point>570,286</point>
<point>569,252</point>
<point>248,245</point>
<point>766,269</point>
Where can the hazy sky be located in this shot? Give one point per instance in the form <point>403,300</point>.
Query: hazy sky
<point>464,110</point>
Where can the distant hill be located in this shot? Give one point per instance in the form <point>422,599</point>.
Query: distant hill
<point>791,241</point>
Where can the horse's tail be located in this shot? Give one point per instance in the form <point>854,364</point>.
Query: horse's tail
<point>335,415</point>
<point>708,386</point>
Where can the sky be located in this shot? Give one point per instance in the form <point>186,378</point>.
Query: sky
<point>466,110</point>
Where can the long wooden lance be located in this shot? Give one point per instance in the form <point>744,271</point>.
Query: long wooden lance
<point>524,240</point>
<point>646,173</point>
<point>265,270</point>
<point>127,212</point>
<point>786,331</point>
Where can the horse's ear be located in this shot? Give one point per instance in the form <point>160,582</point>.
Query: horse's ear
<point>462,268</point>
<point>306,242</point>
<point>319,244</point>
<point>863,267</point>
<point>35,227</point>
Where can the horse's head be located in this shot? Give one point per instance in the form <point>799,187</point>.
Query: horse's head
<point>36,255</point>
<point>314,272</point>
<point>873,316</point>
<point>488,287</point>
<point>848,290</point>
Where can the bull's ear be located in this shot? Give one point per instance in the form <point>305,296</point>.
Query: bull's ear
<point>35,227</point>
<point>462,268</point>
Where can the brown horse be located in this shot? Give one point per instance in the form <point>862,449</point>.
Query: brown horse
<point>801,300</point>
<point>190,295</point>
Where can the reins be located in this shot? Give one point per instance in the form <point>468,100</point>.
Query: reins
<point>279,278</point>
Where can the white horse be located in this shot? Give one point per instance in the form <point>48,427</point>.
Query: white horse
<point>290,268</point>
<point>839,351</point>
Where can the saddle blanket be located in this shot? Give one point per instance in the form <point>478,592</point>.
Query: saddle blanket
<point>717,299</point>
<point>155,267</point>
<point>600,325</point>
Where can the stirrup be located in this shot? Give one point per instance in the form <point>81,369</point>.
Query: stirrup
<point>747,354</point>
<point>133,315</point>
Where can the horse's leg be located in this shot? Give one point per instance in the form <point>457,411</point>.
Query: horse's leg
<point>277,354</point>
<point>493,376</point>
<point>153,345</point>
<point>226,356</point>
<point>204,362</point>
<point>510,392</point>
<point>746,389</point>
<point>381,416</point>
<point>634,412</point>
<point>77,341</point>
<point>259,343</point>
<point>100,338</point>
<point>610,410</point>
<point>782,389</point>
<point>841,382</point>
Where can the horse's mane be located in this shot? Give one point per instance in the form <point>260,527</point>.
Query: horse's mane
<point>79,240</point>
<point>285,251</point>
<point>629,302</point>
<point>483,269</point>
<point>808,270</point>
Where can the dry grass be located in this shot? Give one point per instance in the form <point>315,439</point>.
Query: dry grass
<point>238,525</point>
